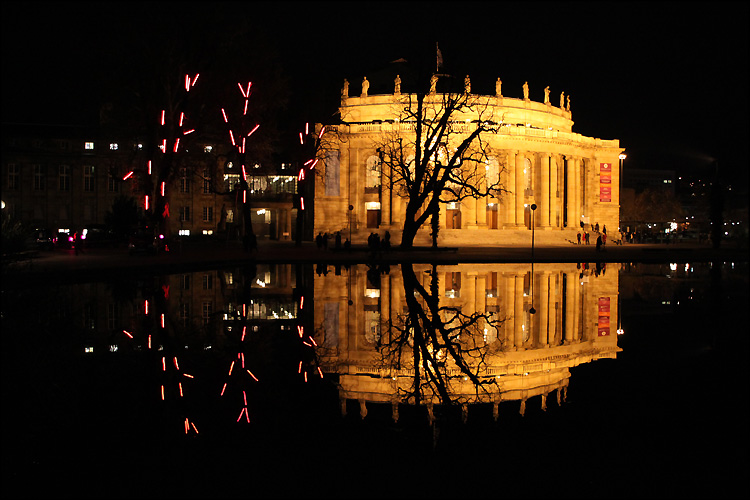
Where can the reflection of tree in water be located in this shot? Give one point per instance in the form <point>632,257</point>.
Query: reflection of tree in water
<point>439,344</point>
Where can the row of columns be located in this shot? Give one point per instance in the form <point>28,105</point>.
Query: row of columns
<point>555,321</point>
<point>548,189</point>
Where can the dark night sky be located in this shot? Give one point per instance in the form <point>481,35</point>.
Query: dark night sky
<point>669,80</point>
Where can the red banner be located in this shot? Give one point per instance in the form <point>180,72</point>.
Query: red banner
<point>605,177</point>
<point>603,323</point>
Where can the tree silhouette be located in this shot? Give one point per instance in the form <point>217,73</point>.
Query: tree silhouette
<point>440,344</point>
<point>437,153</point>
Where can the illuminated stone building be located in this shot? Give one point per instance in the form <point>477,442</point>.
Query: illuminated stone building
<point>538,157</point>
<point>551,321</point>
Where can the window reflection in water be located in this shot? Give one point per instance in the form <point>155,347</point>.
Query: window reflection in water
<point>220,333</point>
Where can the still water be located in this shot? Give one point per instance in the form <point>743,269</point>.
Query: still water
<point>438,381</point>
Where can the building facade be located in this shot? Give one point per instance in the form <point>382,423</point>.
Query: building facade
<point>535,156</point>
<point>68,178</point>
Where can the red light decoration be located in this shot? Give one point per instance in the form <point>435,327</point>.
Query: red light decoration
<point>322,129</point>
<point>145,308</point>
<point>302,203</point>
<point>300,329</point>
<point>149,162</point>
<point>299,370</point>
<point>162,117</point>
<point>301,302</point>
<point>128,175</point>
<point>188,131</point>
<point>251,374</point>
<point>321,372</point>
<point>313,165</point>
<point>165,213</point>
<point>179,384</point>
<point>182,118</point>
<point>226,120</point>
<point>245,111</point>
<point>301,175</point>
<point>162,393</point>
<point>231,367</point>
<point>223,389</point>
<point>231,136</point>
<point>146,202</point>
<point>162,187</point>
<point>176,144</point>
<point>163,364</point>
<point>127,333</point>
<point>244,330</point>
<point>301,140</point>
<point>253,130</point>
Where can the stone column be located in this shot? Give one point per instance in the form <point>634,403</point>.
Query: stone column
<point>545,188</point>
<point>508,200</point>
<point>554,300</point>
<point>570,311</point>
<point>573,214</point>
<point>518,313</point>
<point>543,310</point>
<point>520,187</point>
<point>507,284</point>
<point>554,205</point>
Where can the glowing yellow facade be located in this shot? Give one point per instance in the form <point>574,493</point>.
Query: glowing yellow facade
<point>530,353</point>
<point>571,178</point>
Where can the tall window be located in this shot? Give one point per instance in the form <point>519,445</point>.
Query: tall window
<point>208,309</point>
<point>208,282</point>
<point>184,214</point>
<point>185,282</point>
<point>527,173</point>
<point>184,181</point>
<point>184,313</point>
<point>332,179</point>
<point>492,171</point>
<point>38,178</point>
<point>64,176</point>
<point>112,182</point>
<point>88,178</point>
<point>206,181</point>
<point>373,174</point>
<point>208,214</point>
<point>13,176</point>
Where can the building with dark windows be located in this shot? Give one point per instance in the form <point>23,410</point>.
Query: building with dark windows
<point>66,178</point>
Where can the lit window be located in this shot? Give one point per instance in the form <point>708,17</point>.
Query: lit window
<point>208,149</point>
<point>113,146</point>
<point>89,145</point>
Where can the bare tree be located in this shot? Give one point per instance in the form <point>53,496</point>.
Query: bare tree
<point>437,154</point>
<point>439,343</point>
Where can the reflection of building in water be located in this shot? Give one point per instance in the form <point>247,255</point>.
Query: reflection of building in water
<point>200,309</point>
<point>528,354</point>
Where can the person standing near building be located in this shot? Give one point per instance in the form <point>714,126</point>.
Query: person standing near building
<point>78,242</point>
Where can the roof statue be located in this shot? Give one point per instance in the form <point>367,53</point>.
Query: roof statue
<point>562,100</point>
<point>467,85</point>
<point>365,87</point>
<point>546,95</point>
<point>498,88</point>
<point>526,91</point>
<point>345,90</point>
<point>397,82</point>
